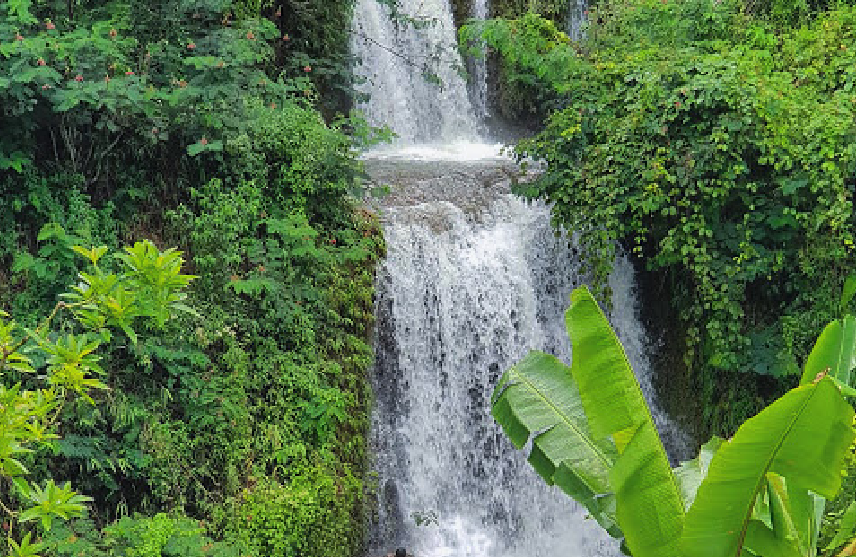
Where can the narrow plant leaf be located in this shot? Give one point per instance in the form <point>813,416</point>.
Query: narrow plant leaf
<point>848,291</point>
<point>767,543</point>
<point>803,436</point>
<point>790,511</point>
<point>648,499</point>
<point>537,398</point>
<point>846,527</point>
<point>690,474</point>
<point>834,353</point>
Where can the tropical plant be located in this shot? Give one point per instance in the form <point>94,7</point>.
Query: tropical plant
<point>718,149</point>
<point>759,493</point>
<point>150,286</point>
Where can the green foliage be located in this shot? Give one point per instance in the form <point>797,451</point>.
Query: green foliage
<point>519,406</point>
<point>193,123</point>
<point>157,536</point>
<point>70,370</point>
<point>616,409</point>
<point>717,149</point>
<point>803,437</point>
<point>274,520</point>
<point>759,493</point>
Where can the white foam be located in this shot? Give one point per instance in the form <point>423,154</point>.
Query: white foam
<point>459,151</point>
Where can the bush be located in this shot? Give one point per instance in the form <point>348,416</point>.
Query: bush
<point>310,514</point>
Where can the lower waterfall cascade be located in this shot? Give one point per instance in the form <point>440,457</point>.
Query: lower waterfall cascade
<point>474,278</point>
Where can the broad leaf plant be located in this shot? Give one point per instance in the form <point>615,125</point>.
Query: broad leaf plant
<point>761,493</point>
<point>149,285</point>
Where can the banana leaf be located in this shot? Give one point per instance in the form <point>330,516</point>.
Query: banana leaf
<point>648,498</point>
<point>834,353</point>
<point>537,398</point>
<point>803,436</point>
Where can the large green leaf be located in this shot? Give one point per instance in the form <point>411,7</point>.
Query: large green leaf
<point>804,436</point>
<point>537,398</point>
<point>833,353</point>
<point>648,498</point>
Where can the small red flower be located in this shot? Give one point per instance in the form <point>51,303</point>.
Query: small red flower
<point>113,33</point>
<point>203,141</point>
<point>251,36</point>
<point>49,25</point>
<point>677,104</point>
<point>78,78</point>
<point>191,45</point>
<point>129,72</point>
<point>272,106</point>
<point>46,86</point>
<point>19,37</point>
<point>41,62</point>
<point>307,69</point>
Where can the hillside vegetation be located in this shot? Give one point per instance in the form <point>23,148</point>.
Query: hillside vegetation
<point>201,126</point>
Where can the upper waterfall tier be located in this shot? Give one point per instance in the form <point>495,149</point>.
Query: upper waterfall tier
<point>411,69</point>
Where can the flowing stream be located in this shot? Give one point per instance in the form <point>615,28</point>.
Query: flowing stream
<point>473,279</point>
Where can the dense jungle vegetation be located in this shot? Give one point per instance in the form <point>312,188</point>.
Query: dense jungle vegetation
<point>715,140</point>
<point>215,402</point>
<point>237,426</point>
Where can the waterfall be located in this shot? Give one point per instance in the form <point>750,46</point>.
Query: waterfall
<point>411,71</point>
<point>577,14</point>
<point>478,67</point>
<point>474,278</point>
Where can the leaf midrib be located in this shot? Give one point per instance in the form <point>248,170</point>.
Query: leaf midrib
<point>745,524</point>
<point>586,439</point>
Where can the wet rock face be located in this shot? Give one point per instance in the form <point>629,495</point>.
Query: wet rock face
<point>470,185</point>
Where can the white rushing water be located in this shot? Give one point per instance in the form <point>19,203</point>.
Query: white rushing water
<point>577,15</point>
<point>474,278</point>
<point>478,77</point>
<point>467,288</point>
<point>396,55</point>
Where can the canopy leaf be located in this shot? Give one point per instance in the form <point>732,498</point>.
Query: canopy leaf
<point>834,352</point>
